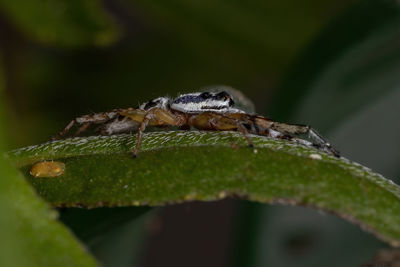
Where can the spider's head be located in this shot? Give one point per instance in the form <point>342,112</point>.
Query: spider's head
<point>160,102</point>
<point>200,102</point>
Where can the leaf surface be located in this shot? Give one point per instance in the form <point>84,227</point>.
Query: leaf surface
<point>180,166</point>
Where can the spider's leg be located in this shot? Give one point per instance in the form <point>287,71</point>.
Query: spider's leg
<point>97,118</point>
<point>65,130</point>
<point>158,117</point>
<point>211,121</point>
<point>241,128</point>
<point>141,129</point>
<point>134,114</point>
<point>314,135</point>
<point>83,128</point>
<point>297,129</point>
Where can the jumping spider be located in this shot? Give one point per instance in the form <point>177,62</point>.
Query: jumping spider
<point>203,111</point>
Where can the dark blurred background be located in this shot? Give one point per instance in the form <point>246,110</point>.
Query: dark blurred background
<point>333,64</point>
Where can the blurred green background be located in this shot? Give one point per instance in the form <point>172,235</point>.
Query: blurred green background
<point>332,64</point>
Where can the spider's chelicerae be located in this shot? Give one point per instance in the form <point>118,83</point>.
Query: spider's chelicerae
<point>203,111</point>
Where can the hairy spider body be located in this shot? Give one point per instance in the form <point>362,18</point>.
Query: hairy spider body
<point>203,111</point>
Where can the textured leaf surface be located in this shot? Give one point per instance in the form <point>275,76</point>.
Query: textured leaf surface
<point>181,166</point>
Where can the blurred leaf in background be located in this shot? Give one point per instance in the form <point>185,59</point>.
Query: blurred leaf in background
<point>115,236</point>
<point>28,228</point>
<point>346,84</point>
<point>349,74</point>
<point>168,47</point>
<point>62,23</point>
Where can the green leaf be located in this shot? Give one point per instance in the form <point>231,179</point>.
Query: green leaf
<point>36,238</point>
<point>65,23</point>
<point>350,65</point>
<point>345,84</point>
<point>181,166</point>
<point>30,234</point>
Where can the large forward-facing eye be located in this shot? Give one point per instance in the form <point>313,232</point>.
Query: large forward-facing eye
<point>150,104</point>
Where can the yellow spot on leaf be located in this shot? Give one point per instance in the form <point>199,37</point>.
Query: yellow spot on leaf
<point>48,169</point>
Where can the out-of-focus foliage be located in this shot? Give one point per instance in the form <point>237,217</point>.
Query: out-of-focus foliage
<point>354,62</point>
<point>30,236</point>
<point>115,236</point>
<point>249,38</point>
<point>62,23</point>
<point>167,48</point>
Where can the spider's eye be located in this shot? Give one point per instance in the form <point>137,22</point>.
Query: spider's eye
<point>150,104</point>
<point>226,97</point>
<point>223,96</point>
<point>205,95</point>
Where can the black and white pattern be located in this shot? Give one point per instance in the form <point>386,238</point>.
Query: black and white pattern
<point>200,102</point>
<point>160,102</point>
